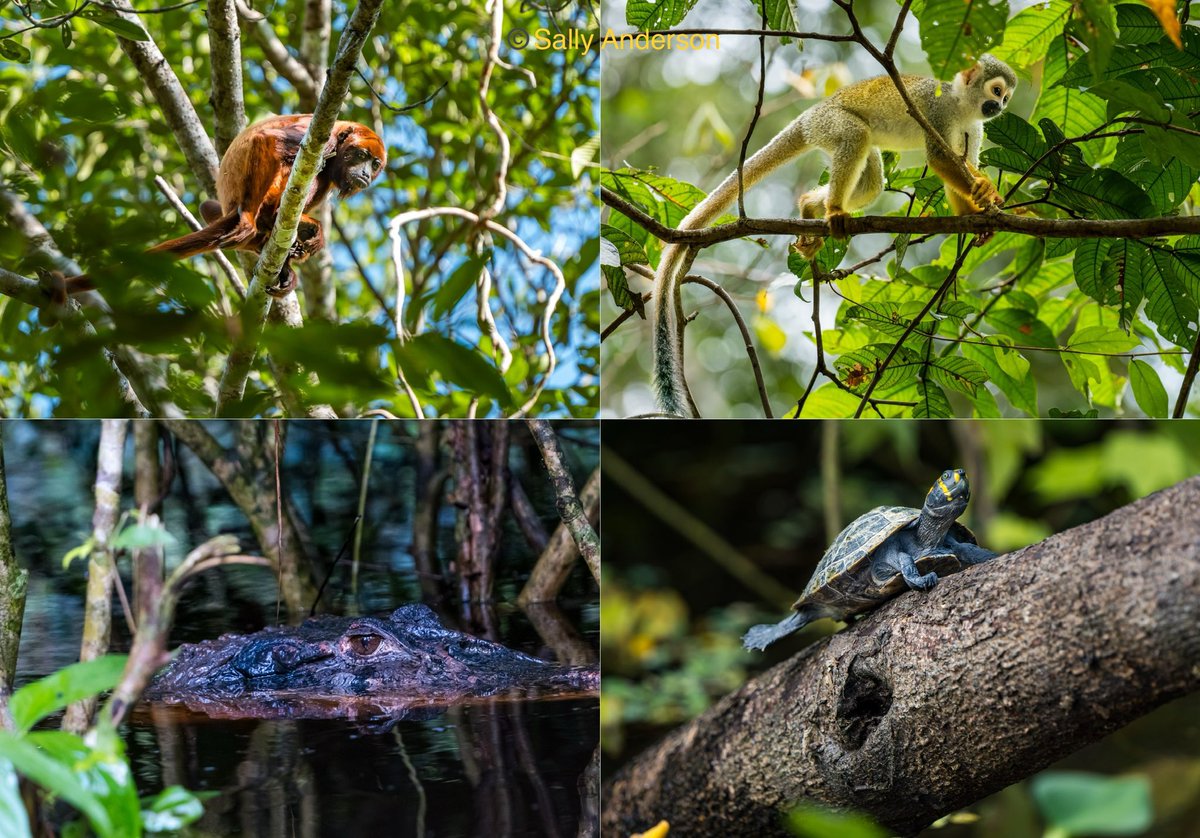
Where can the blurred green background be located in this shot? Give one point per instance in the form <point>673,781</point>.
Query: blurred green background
<point>714,526</point>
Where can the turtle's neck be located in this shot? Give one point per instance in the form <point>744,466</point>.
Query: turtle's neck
<point>932,527</point>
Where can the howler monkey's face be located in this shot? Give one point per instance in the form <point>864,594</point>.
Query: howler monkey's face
<point>359,159</point>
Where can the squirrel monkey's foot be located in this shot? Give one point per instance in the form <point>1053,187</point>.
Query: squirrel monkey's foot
<point>808,246</point>
<point>836,217</point>
<point>984,194</point>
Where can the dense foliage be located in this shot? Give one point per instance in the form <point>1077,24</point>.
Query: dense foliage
<point>82,137</point>
<point>1105,125</point>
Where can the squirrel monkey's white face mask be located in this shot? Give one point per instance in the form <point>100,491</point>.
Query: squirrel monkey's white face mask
<point>996,93</point>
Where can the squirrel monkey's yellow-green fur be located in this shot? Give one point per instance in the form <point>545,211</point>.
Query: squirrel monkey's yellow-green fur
<point>852,126</point>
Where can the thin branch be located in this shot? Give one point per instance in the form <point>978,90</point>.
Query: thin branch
<point>746,339</point>
<point>758,105</point>
<point>951,276</point>
<point>560,283</point>
<point>496,9</point>
<point>1189,378</point>
<point>276,53</point>
<point>222,260</point>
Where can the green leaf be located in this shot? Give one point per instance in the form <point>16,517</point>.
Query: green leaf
<point>955,33</point>
<point>629,249</point>
<point>1022,326</point>
<point>1031,32</point>
<point>171,810</point>
<point>933,404</point>
<point>14,821</point>
<point>830,402</point>
<point>1102,339</point>
<point>1008,369</point>
<point>808,821</point>
<point>57,777</point>
<point>12,51</point>
<point>455,363</point>
<point>141,537</point>
<point>1148,389</point>
<point>957,373</point>
<point>457,284</point>
<point>648,15</point>
<point>129,29</point>
<point>583,155</point>
<point>81,552</point>
<point>34,702</point>
<point>1168,304</point>
<point>1091,804</point>
<point>101,765</point>
<point>1137,24</point>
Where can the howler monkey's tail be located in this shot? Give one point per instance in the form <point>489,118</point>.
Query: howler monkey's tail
<point>229,230</point>
<point>670,385</point>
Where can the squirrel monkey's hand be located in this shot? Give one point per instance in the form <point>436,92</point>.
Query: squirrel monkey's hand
<point>984,194</point>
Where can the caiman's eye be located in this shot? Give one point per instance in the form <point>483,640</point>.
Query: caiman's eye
<point>364,644</point>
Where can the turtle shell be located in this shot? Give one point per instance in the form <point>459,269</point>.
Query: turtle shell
<point>849,556</point>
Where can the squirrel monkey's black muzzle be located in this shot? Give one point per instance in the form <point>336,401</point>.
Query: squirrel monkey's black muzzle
<point>991,108</point>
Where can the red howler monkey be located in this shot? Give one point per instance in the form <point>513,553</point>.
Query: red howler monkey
<point>250,184</point>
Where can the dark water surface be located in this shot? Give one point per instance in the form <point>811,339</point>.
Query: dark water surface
<point>492,768</point>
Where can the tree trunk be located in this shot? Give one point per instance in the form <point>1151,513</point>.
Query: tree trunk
<point>939,699</point>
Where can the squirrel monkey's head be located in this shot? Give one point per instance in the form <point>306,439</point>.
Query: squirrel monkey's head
<point>990,83</point>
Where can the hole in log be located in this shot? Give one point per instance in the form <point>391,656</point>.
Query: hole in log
<point>865,700</point>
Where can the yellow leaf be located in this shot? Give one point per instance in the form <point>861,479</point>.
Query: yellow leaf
<point>659,830</point>
<point>762,300</point>
<point>1164,10</point>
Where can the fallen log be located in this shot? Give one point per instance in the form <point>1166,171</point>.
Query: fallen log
<point>939,699</point>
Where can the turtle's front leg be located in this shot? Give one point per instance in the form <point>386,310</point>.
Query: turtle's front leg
<point>971,553</point>
<point>903,564</point>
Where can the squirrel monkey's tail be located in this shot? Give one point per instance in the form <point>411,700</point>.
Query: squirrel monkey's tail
<point>670,385</point>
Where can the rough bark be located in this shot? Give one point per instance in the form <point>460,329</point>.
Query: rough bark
<point>939,699</point>
<point>225,42</point>
<point>97,617</point>
<point>558,558</point>
<point>570,509</point>
<point>13,583</point>
<point>147,484</point>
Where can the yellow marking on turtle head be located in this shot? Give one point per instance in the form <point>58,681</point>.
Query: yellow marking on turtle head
<point>957,476</point>
<point>945,488</point>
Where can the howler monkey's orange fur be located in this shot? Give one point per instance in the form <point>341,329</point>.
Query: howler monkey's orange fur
<point>250,184</point>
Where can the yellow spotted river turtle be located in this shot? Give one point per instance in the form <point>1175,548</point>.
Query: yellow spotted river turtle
<point>882,553</point>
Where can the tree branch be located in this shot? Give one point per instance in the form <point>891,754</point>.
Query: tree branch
<point>936,700</point>
<point>225,41</point>
<point>308,161</point>
<point>994,222</point>
<point>276,53</point>
<point>177,109</point>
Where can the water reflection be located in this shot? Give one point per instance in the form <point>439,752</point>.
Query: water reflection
<point>489,769</point>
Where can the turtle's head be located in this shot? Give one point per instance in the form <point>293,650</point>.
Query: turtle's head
<point>949,495</point>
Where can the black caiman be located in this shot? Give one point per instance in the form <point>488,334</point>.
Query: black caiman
<point>356,666</point>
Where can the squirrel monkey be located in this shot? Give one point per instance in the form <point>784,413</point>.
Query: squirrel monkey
<point>852,126</point>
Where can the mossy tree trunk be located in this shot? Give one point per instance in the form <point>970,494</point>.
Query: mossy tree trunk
<point>939,699</point>
<point>97,616</point>
<point>13,582</point>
